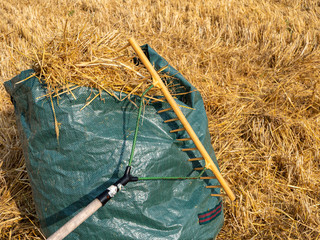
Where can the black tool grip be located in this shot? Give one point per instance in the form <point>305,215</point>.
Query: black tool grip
<point>110,192</point>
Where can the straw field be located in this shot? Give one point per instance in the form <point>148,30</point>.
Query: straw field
<point>257,65</point>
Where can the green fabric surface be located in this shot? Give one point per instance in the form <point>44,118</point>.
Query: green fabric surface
<point>93,152</point>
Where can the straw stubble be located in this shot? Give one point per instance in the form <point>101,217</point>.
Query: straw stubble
<point>257,66</point>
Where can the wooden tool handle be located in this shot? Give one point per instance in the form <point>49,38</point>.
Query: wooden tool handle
<point>74,222</point>
<point>97,203</point>
<point>158,82</point>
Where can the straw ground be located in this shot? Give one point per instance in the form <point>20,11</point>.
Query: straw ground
<point>257,66</point>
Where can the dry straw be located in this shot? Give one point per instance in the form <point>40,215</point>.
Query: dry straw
<point>257,66</point>
<point>84,58</point>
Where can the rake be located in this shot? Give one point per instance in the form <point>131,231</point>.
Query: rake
<point>111,191</point>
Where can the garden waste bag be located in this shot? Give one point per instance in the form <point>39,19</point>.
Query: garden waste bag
<point>92,152</point>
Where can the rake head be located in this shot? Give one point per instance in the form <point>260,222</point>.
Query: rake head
<point>158,83</point>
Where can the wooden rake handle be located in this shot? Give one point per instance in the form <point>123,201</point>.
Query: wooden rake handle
<point>159,83</point>
<point>97,203</point>
<point>73,223</point>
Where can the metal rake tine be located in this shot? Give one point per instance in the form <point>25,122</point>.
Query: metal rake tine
<point>214,186</point>
<point>177,130</point>
<point>165,110</point>
<point>198,168</point>
<point>188,149</point>
<point>210,177</point>
<point>196,159</point>
<point>218,195</point>
<point>183,139</point>
<point>171,120</point>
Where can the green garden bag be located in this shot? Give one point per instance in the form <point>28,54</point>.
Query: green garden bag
<point>92,153</point>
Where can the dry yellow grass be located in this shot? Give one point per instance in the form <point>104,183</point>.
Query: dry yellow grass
<point>257,65</point>
<point>83,58</point>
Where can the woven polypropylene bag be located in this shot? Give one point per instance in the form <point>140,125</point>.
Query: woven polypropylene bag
<point>93,151</point>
